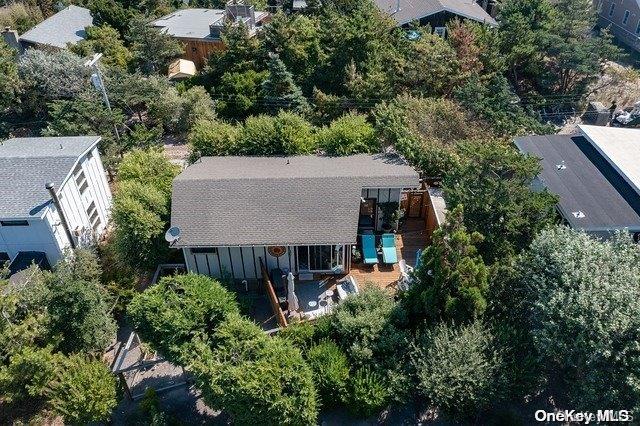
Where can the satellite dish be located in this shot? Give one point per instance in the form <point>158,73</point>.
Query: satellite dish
<point>172,235</point>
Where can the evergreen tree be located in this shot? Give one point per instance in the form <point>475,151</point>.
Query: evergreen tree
<point>9,80</point>
<point>279,91</point>
<point>452,278</point>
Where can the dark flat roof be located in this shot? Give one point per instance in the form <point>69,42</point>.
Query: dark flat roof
<point>587,183</point>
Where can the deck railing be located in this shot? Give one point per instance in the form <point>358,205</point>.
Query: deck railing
<point>271,294</point>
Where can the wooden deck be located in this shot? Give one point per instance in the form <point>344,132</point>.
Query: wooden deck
<point>412,236</point>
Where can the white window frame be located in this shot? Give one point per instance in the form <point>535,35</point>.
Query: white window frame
<point>625,18</point>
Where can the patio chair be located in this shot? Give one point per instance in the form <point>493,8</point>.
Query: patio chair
<point>405,280</point>
<point>369,254</point>
<point>346,287</point>
<point>389,254</point>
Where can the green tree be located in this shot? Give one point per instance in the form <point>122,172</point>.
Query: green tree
<point>349,134</point>
<point>580,297</point>
<point>279,91</point>
<point>493,183</point>
<point>176,310</point>
<point>106,40</point>
<point>247,368</point>
<point>149,167</point>
<point>79,315</point>
<point>285,134</point>
<point>152,50</point>
<point>9,80</point>
<point>367,393</point>
<point>238,92</point>
<point>330,368</point>
<point>457,368</point>
<point>27,373</point>
<point>210,138</point>
<point>82,391</point>
<point>452,278</point>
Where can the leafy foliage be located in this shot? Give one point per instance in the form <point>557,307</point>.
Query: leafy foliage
<point>152,50</point>
<point>106,40</point>
<point>27,373</point>
<point>494,186</point>
<point>279,91</point>
<point>452,278</point>
<point>10,81</point>
<point>368,394</point>
<point>177,309</point>
<point>330,368</point>
<point>457,368</point>
<point>580,296</point>
<point>246,368</point>
<point>349,134</point>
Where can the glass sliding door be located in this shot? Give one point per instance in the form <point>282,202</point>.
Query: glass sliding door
<point>323,258</point>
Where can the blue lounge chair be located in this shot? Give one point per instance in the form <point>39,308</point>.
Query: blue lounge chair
<point>389,254</point>
<point>369,253</point>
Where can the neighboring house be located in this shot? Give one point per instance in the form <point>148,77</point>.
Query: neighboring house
<point>622,17</point>
<point>63,28</point>
<point>300,214</point>
<point>55,196</point>
<point>596,175</point>
<point>436,13</point>
<point>201,29</point>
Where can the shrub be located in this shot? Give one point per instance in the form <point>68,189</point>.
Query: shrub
<point>82,391</point>
<point>457,368</point>
<point>27,374</point>
<point>148,167</point>
<point>211,138</point>
<point>367,393</point>
<point>330,371</point>
<point>178,308</point>
<point>301,334</point>
<point>255,378</point>
<point>284,134</point>
<point>349,134</point>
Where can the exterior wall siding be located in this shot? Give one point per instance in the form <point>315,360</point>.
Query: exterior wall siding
<point>241,263</point>
<point>37,236</point>
<point>624,32</point>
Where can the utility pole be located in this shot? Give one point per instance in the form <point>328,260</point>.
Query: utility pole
<point>98,83</point>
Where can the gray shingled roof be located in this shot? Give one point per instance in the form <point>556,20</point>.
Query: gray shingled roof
<point>411,10</point>
<point>66,26</point>
<point>585,182</point>
<point>232,201</point>
<point>27,164</point>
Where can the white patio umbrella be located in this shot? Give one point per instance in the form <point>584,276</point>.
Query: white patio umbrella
<point>292,299</point>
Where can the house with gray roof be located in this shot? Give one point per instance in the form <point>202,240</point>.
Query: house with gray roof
<point>436,13</point>
<point>622,18</point>
<point>298,214</point>
<point>201,29</point>
<point>594,173</point>
<point>55,196</point>
<point>64,28</point>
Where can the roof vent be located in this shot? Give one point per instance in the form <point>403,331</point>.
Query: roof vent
<point>561,166</point>
<point>579,214</point>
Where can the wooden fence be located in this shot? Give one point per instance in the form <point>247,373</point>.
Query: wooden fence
<point>271,294</point>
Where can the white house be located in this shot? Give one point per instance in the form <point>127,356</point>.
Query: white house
<point>300,214</point>
<point>55,196</point>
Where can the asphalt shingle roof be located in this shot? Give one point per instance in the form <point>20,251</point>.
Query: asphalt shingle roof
<point>411,10</point>
<point>27,164</point>
<point>585,182</point>
<point>66,26</point>
<point>232,201</point>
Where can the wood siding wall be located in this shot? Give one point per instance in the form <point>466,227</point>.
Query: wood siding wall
<point>198,51</point>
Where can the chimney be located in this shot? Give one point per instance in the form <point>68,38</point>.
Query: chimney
<point>12,39</point>
<point>56,202</point>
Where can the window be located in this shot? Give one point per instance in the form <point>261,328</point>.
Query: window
<point>625,19</point>
<point>638,27</point>
<point>611,9</point>
<point>94,218</point>
<point>14,223</point>
<point>320,258</point>
<point>203,250</point>
<point>81,179</point>
<point>440,31</point>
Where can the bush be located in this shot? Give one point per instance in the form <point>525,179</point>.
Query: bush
<point>330,371</point>
<point>349,134</point>
<point>148,167</point>
<point>301,334</point>
<point>284,134</point>
<point>27,374</point>
<point>457,368</point>
<point>178,308</point>
<point>255,378</point>
<point>367,393</point>
<point>211,138</point>
<point>82,391</point>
